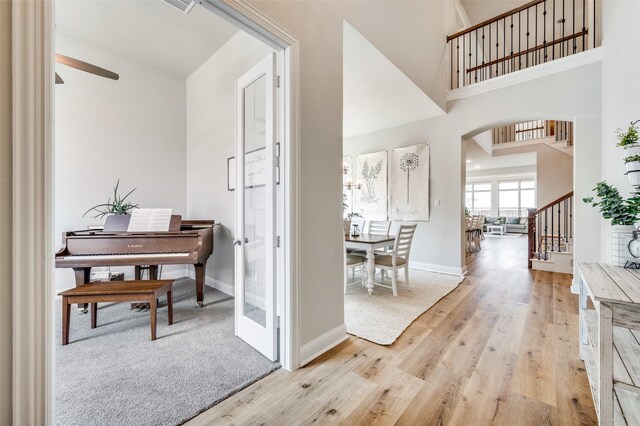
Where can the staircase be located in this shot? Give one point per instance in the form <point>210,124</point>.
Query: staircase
<point>551,236</point>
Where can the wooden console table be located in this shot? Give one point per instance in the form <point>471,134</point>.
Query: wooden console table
<point>610,340</point>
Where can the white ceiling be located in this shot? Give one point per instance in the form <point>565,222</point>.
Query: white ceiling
<point>478,159</point>
<point>149,31</point>
<point>376,94</point>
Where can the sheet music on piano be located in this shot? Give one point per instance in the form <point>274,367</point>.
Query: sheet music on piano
<point>150,220</point>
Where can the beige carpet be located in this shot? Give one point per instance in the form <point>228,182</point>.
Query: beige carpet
<point>381,318</point>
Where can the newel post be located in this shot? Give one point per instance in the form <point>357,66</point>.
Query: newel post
<point>531,227</point>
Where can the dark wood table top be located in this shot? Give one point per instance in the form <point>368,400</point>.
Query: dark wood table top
<point>118,287</point>
<point>370,238</point>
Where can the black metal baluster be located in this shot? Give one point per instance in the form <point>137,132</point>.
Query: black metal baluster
<point>544,30</point>
<point>536,58</point>
<point>452,67</point>
<point>552,229</point>
<point>538,239</point>
<point>458,61</point>
<point>559,236</point>
<point>562,52</point>
<point>489,50</point>
<point>519,41</point>
<point>511,46</point>
<point>546,234</point>
<point>573,23</point>
<point>476,70</point>
<point>553,28</point>
<point>483,54</point>
<point>468,73</point>
<point>504,44</point>
<point>584,25</point>
<point>527,54</point>
<point>571,217</point>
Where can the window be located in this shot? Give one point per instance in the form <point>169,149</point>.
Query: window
<point>515,197</point>
<point>478,198</point>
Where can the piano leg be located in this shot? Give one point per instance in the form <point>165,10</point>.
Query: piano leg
<point>83,276</point>
<point>153,272</point>
<point>200,273</point>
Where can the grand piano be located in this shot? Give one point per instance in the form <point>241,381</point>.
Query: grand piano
<point>186,242</point>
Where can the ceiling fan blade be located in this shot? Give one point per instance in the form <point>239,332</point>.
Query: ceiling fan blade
<point>86,67</point>
<point>59,79</point>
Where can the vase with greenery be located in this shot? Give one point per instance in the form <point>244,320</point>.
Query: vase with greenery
<point>632,162</point>
<point>623,214</point>
<point>349,216</point>
<point>613,206</point>
<point>117,205</point>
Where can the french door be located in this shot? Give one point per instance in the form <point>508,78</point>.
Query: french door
<point>255,298</point>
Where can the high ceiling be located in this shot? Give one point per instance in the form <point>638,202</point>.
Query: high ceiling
<point>481,10</point>
<point>149,31</point>
<point>376,94</point>
<point>478,159</point>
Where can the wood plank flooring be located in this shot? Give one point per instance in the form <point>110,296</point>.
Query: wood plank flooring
<point>502,349</point>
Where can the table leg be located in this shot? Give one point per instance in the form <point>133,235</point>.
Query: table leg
<point>371,269</point>
<point>94,315</point>
<point>154,305</point>
<point>66,316</point>
<point>170,306</point>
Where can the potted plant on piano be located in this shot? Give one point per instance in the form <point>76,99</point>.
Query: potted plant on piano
<point>119,205</point>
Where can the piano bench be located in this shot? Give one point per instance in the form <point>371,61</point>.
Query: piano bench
<point>116,291</point>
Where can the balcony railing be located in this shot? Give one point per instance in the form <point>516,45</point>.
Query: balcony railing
<point>534,33</point>
<point>536,129</point>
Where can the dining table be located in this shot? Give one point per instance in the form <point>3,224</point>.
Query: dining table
<point>369,243</point>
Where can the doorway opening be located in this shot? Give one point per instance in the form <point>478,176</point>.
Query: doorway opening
<point>152,110</point>
<point>519,185</point>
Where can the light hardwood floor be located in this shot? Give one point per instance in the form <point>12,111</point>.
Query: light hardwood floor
<point>500,349</point>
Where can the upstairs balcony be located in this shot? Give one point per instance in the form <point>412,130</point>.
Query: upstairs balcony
<point>535,33</point>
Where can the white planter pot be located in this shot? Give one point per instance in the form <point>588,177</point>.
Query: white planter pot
<point>620,237</point>
<point>632,166</point>
<point>631,150</point>
<point>634,177</point>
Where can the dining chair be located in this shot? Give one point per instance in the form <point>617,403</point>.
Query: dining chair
<point>351,262</point>
<point>398,257</point>
<point>378,227</point>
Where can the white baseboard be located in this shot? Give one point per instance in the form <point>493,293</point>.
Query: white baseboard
<point>322,344</point>
<point>213,283</point>
<point>441,269</point>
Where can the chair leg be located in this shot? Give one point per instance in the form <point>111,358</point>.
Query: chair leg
<point>94,315</point>
<point>66,316</point>
<point>394,282</point>
<point>406,274</point>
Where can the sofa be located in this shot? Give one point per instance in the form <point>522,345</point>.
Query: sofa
<point>514,225</point>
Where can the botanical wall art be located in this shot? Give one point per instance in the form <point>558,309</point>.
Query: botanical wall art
<point>370,192</point>
<point>409,183</point>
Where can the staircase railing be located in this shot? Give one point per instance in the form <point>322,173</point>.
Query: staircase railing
<point>534,33</point>
<point>535,129</point>
<point>550,228</point>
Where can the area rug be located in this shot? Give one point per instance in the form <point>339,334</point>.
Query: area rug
<point>486,234</point>
<point>115,375</point>
<point>381,318</point>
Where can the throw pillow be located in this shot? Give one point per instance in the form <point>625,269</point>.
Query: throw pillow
<point>490,219</point>
<point>513,221</point>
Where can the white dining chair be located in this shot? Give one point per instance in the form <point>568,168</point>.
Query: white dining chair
<point>378,227</point>
<point>351,262</point>
<point>398,257</point>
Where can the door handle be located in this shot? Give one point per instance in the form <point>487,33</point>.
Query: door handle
<point>237,242</point>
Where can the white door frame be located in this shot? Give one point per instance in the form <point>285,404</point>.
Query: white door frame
<point>33,174</point>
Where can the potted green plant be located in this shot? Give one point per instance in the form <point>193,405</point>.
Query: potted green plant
<point>119,204</point>
<point>623,214</point>
<point>632,163</point>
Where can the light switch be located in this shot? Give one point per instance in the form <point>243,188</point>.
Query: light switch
<point>436,201</point>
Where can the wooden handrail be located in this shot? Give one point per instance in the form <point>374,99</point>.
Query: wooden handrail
<point>492,20</point>
<point>551,204</point>
<point>530,130</point>
<point>531,49</point>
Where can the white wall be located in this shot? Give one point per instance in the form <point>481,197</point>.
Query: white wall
<point>211,118</point>
<point>132,129</point>
<point>398,30</point>
<point>620,92</point>
<point>6,283</point>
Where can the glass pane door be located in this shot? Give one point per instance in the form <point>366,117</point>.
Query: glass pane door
<point>255,209</point>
